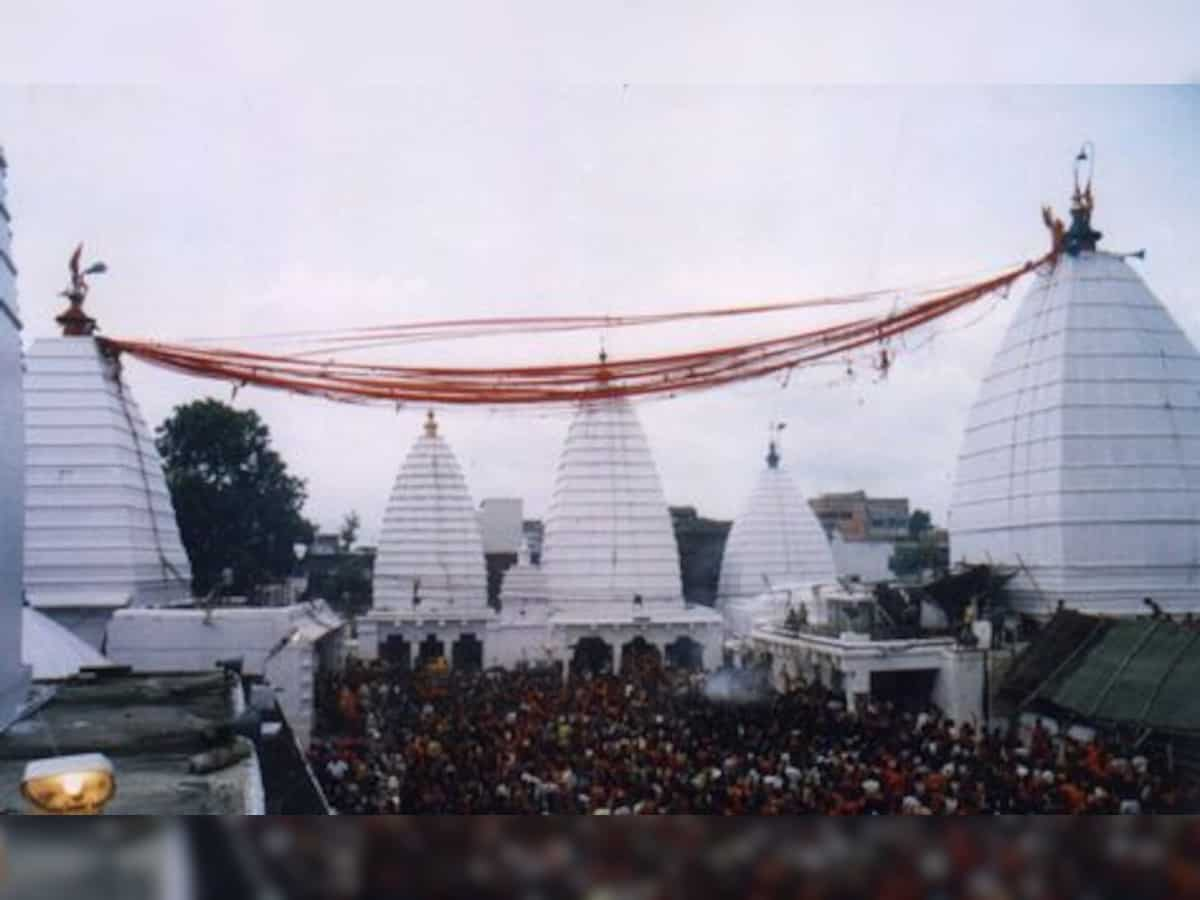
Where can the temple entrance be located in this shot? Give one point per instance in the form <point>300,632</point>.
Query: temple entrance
<point>431,649</point>
<point>396,653</point>
<point>685,653</point>
<point>909,691</point>
<point>467,654</point>
<point>639,656</point>
<point>592,654</point>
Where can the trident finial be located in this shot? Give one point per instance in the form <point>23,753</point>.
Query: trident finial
<point>773,445</point>
<point>74,321</point>
<point>1081,236</point>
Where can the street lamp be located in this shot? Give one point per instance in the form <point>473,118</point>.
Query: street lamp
<point>69,785</point>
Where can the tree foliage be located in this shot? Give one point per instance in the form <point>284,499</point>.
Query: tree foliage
<point>918,523</point>
<point>348,533</point>
<point>237,505</point>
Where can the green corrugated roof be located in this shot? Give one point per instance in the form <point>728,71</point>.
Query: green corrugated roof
<point>1140,671</point>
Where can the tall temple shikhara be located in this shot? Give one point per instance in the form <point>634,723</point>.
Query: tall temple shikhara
<point>610,554</point>
<point>1080,465</point>
<point>609,538</point>
<point>430,587</point>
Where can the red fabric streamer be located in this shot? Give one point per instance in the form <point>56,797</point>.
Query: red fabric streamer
<point>666,374</point>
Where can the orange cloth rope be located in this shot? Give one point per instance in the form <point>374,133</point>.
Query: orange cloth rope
<point>665,374</point>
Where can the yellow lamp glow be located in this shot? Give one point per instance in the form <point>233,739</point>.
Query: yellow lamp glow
<point>69,785</point>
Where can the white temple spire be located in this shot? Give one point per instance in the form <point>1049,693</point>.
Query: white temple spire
<point>609,537</point>
<point>430,556</point>
<point>776,543</point>
<point>1078,466</point>
<point>100,527</point>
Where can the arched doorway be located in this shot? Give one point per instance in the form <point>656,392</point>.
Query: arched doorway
<point>592,654</point>
<point>640,656</point>
<point>466,654</point>
<point>430,649</point>
<point>397,653</point>
<point>685,653</point>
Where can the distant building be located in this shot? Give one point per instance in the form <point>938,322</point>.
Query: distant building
<point>503,530</point>
<point>534,530</point>
<point>858,517</point>
<point>701,547</point>
<point>501,524</point>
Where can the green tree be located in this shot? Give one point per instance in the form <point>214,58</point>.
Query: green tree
<point>348,533</point>
<point>237,505</point>
<point>918,523</point>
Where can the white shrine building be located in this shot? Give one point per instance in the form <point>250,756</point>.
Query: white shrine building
<point>1080,465</point>
<point>610,555</point>
<point>100,528</point>
<point>430,583</point>
<point>609,581</point>
<point>777,555</point>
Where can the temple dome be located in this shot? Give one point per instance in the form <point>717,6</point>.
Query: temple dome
<point>1080,464</point>
<point>100,528</point>
<point>609,536</point>
<point>430,545</point>
<point>777,543</point>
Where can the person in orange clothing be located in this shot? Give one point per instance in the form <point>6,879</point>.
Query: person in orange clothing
<point>1074,797</point>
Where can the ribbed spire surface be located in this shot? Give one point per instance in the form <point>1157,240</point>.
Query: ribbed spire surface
<point>1081,459</point>
<point>609,536</point>
<point>100,529</point>
<point>777,540</point>
<point>430,547</point>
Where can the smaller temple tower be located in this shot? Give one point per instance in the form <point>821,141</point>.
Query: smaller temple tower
<point>521,634</point>
<point>776,548</point>
<point>430,587</point>
<point>100,528</point>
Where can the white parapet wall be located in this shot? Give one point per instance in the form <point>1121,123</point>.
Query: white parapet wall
<point>286,645</point>
<point>850,660</point>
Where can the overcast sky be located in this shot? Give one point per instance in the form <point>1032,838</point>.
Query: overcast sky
<point>227,210</point>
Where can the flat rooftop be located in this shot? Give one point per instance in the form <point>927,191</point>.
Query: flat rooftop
<point>149,726</point>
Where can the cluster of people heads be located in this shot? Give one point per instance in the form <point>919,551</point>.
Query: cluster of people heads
<point>656,741</point>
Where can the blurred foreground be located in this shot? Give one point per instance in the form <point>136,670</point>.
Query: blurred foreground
<point>655,859</point>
